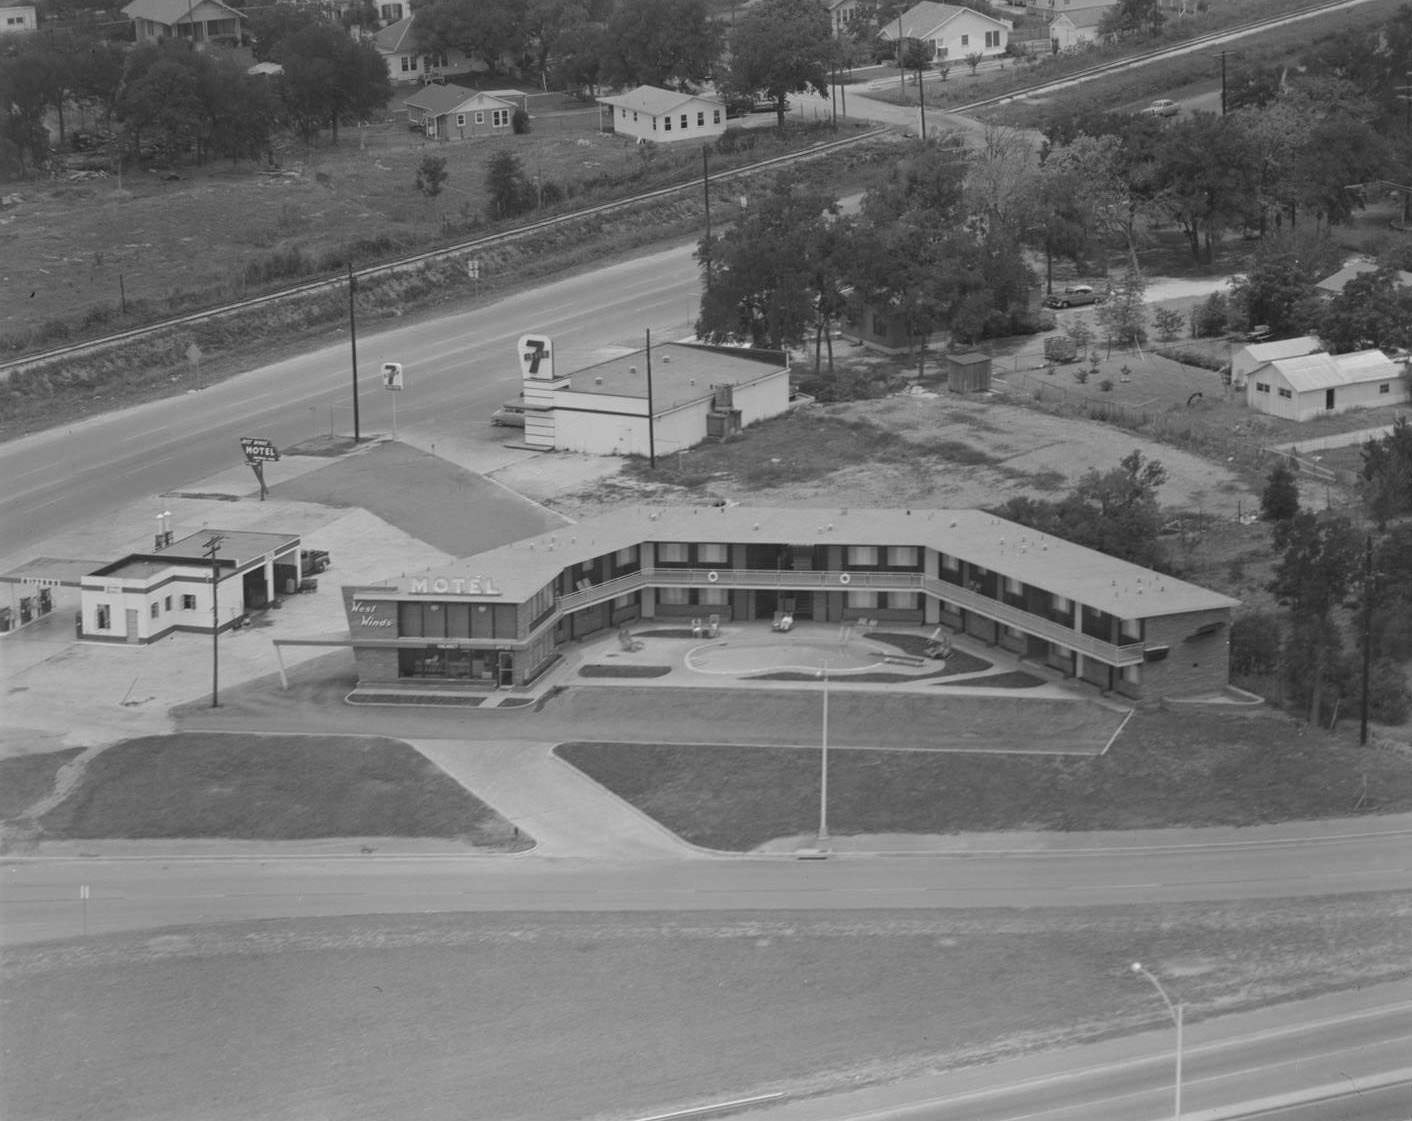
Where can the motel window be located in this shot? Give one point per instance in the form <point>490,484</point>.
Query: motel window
<point>167,604</point>
<point>499,118</point>
<point>409,619</point>
<point>863,556</point>
<point>862,599</point>
<point>902,556</point>
<point>672,552</point>
<point>1061,605</point>
<point>1132,674</point>
<point>1262,387</point>
<point>715,116</point>
<point>713,597</point>
<point>712,554</point>
<point>906,601</point>
<point>103,617</point>
<point>154,609</point>
<point>1385,387</point>
<point>1014,632</point>
<point>1013,587</point>
<point>434,620</point>
<point>948,562</point>
<point>701,119</point>
<point>992,38</point>
<point>625,556</point>
<point>623,601</point>
<point>1285,393</point>
<point>188,603</point>
<point>683,120</point>
<point>674,595</point>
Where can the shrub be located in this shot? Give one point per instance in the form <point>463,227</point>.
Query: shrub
<point>1106,385</point>
<point>1279,501</point>
<point>520,122</point>
<point>1388,699</point>
<point>1255,643</point>
<point>1212,317</point>
<point>1169,323</point>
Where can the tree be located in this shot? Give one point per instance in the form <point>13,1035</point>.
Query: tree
<point>1169,323</point>
<point>762,277</point>
<point>330,79</point>
<point>781,47</point>
<point>1203,180</point>
<point>670,43</point>
<point>29,86</point>
<point>974,60</point>
<point>1279,501</point>
<point>1255,643</point>
<point>1132,17</point>
<point>270,26</point>
<point>511,192</point>
<point>432,175</point>
<point>490,30</point>
<point>1386,474</point>
<point>1313,577</point>
<point>1123,315</point>
<point>160,103</point>
<point>1373,310</point>
<point>1277,291</point>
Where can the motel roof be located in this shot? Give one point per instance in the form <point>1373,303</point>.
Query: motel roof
<point>681,372</point>
<point>1125,590</point>
<point>921,19</point>
<point>1281,348</point>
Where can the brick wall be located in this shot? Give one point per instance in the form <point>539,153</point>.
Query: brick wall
<point>1194,663</point>
<point>375,665</point>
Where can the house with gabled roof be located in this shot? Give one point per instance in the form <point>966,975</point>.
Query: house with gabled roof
<point>1246,358</point>
<point>408,60</point>
<point>1315,385</point>
<point>452,112</point>
<point>950,32</point>
<point>1334,285</point>
<point>199,22</point>
<point>665,116</point>
<point>16,18</point>
<point>1072,28</point>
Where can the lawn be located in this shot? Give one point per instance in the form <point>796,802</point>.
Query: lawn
<point>1183,767</point>
<point>452,1016</point>
<point>24,779</point>
<point>270,788</point>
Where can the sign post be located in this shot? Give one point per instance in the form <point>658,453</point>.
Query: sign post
<point>193,356</point>
<point>83,899</point>
<point>258,452</point>
<point>392,380</point>
<point>473,271</point>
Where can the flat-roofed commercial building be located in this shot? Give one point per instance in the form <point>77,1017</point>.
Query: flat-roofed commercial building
<point>501,617</point>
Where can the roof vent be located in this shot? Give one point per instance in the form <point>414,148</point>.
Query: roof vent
<point>666,358</point>
<point>632,369</point>
<point>597,381</point>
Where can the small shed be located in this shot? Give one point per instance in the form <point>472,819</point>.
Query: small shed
<point>967,373</point>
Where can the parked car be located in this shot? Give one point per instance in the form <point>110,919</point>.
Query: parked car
<point>314,561</point>
<point>509,415</point>
<point>1162,107</point>
<point>1076,295</point>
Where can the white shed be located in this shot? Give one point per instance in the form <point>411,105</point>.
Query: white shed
<point>1314,385</point>
<point>1246,358</point>
<point>649,113</point>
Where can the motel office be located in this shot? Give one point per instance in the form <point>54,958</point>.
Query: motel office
<point>502,617</point>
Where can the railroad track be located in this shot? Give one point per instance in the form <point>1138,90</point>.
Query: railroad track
<point>403,264</point>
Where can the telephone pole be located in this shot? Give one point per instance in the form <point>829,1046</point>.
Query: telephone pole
<point>353,343</point>
<point>1223,81</point>
<point>1367,633</point>
<point>213,544</point>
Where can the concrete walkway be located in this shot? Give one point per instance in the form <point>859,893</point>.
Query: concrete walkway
<point>564,810</point>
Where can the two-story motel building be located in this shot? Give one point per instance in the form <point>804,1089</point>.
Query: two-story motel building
<point>500,618</point>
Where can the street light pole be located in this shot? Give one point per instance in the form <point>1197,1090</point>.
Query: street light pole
<point>353,344</point>
<point>213,545</point>
<point>824,767</point>
<point>1176,1012</point>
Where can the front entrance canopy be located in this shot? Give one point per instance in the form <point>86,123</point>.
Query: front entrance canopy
<point>52,572</point>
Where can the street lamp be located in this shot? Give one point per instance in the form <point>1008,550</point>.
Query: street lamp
<point>1176,1011</point>
<point>824,766</point>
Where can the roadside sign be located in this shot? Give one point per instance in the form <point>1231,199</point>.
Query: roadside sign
<point>536,358</point>
<point>193,355</point>
<point>83,891</point>
<point>392,375</point>
<point>258,448</point>
<point>473,268</point>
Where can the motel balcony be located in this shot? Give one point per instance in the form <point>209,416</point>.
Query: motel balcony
<point>834,581</point>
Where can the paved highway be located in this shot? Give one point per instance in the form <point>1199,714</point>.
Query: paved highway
<point>458,368</point>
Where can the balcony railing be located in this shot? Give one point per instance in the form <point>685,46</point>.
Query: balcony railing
<point>827,580</point>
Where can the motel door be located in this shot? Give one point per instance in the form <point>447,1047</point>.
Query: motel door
<point>505,674</point>
<point>132,635</point>
<point>1329,400</point>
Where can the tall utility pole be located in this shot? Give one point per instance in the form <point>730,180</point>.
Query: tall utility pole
<point>353,342</point>
<point>901,70</point>
<point>706,191</point>
<point>1367,633</point>
<point>213,545</point>
<point>651,435</point>
<point>1223,81</point>
<point>922,102</point>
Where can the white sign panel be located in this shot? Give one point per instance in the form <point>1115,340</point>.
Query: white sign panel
<point>536,358</point>
<point>392,375</point>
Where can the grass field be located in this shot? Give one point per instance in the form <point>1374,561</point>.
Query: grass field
<point>1185,767</point>
<point>24,779</point>
<point>270,788</point>
<point>512,1017</point>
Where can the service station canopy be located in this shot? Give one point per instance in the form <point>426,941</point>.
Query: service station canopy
<point>51,572</point>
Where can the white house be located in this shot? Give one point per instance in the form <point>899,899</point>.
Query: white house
<point>408,61</point>
<point>951,32</point>
<point>689,393</point>
<point>1246,358</point>
<point>1332,286</point>
<point>452,112</point>
<point>664,116</point>
<point>1314,385</point>
<point>843,14</point>
<point>200,22</point>
<point>15,18</point>
<point>1072,28</point>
